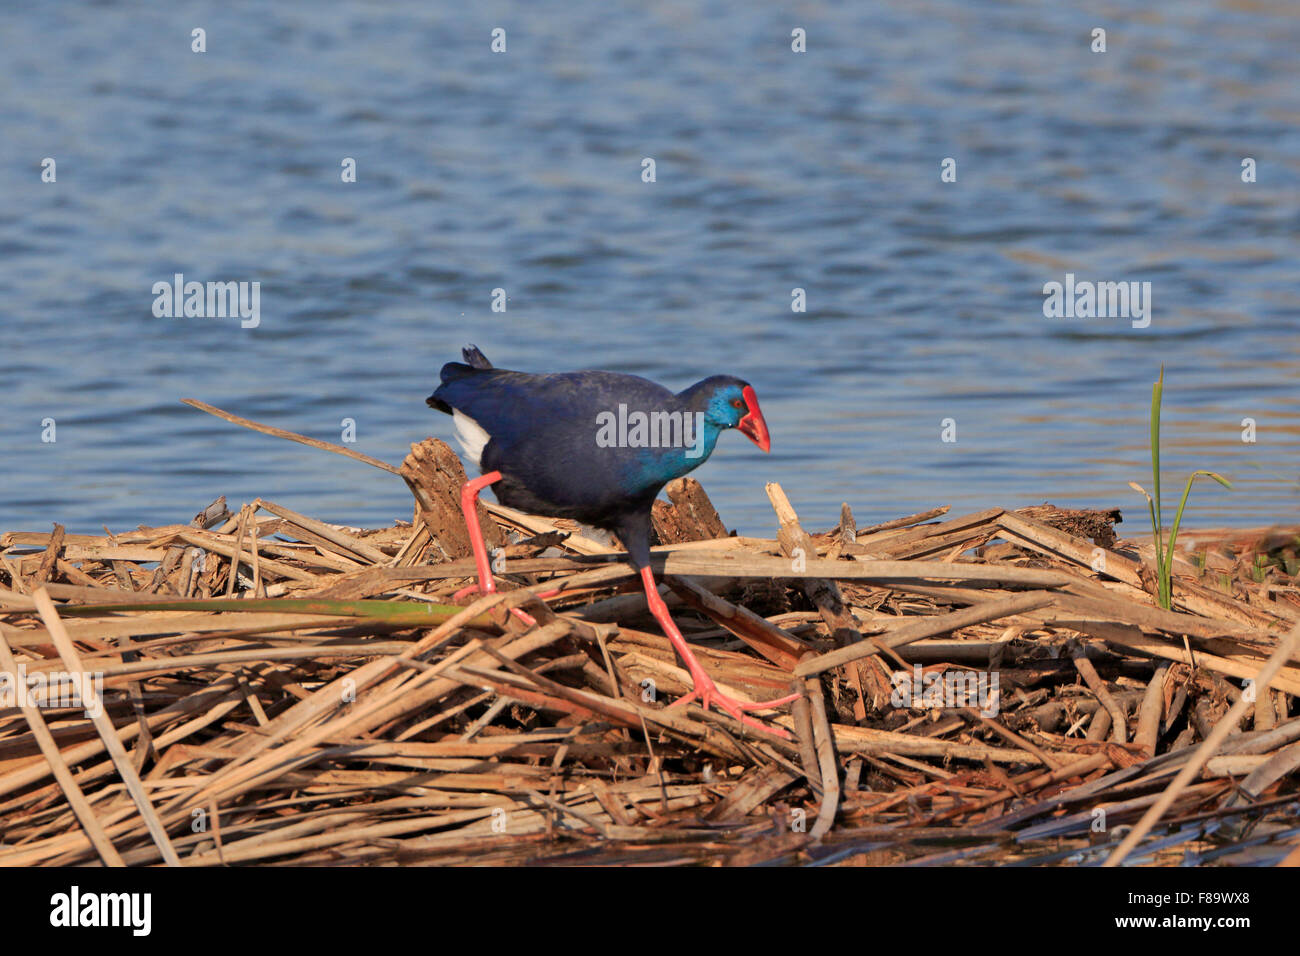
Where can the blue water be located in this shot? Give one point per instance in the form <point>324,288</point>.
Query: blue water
<point>775,170</point>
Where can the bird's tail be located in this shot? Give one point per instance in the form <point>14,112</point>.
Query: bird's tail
<point>475,361</point>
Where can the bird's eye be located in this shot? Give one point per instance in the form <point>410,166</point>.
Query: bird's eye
<point>737,403</point>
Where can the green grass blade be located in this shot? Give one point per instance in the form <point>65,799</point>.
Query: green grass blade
<point>1178,520</point>
<point>1178,515</point>
<point>1157,512</point>
<point>1157,396</point>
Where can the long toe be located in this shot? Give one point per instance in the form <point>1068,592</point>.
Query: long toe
<point>708,694</point>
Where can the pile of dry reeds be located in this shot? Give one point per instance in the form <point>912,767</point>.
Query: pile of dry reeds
<point>280,690</point>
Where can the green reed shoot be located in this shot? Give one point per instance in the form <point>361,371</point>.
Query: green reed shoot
<point>1165,550</point>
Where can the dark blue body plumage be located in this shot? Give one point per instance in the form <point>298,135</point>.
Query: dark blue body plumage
<point>593,446</point>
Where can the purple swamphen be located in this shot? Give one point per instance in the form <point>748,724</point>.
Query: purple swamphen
<point>596,447</point>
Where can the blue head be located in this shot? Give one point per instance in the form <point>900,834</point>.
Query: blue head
<point>704,410</point>
<point>729,402</point>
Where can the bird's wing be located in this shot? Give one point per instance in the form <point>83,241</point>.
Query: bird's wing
<point>513,407</point>
<point>543,428</point>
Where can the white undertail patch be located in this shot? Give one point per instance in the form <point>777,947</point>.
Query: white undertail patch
<point>470,435</point>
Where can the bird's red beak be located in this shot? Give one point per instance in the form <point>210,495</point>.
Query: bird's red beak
<point>753,424</point>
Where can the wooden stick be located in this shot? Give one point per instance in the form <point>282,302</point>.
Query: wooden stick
<point>825,743</point>
<point>291,436</point>
<point>928,627</point>
<point>777,645</point>
<point>1119,724</point>
<point>902,522</point>
<point>824,593</point>
<point>1153,704</point>
<point>328,532</point>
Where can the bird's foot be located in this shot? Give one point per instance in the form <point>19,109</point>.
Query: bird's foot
<point>489,588</point>
<point>707,693</point>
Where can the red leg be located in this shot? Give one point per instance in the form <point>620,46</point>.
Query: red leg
<point>705,690</point>
<point>469,506</point>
